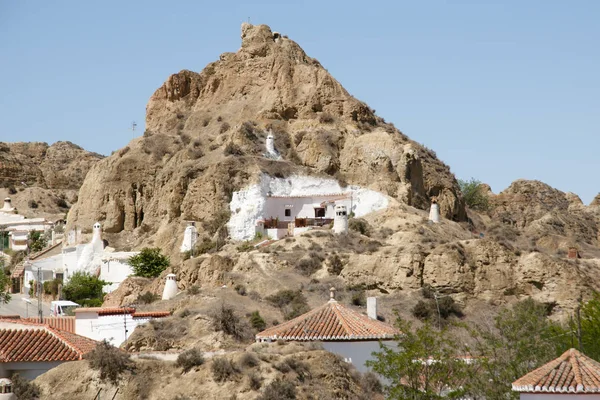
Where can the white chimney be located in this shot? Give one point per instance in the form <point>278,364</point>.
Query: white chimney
<point>7,205</point>
<point>170,289</point>
<point>434,212</point>
<point>372,307</point>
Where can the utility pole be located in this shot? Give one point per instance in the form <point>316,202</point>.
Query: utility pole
<point>578,314</point>
<point>125,321</point>
<point>39,295</point>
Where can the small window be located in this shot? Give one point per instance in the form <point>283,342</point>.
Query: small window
<point>288,212</point>
<point>319,213</point>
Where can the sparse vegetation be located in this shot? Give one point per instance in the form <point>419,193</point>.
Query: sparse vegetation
<point>110,361</point>
<point>224,127</point>
<point>232,149</point>
<point>326,118</point>
<point>32,204</point>
<point>248,360</point>
<point>189,359</point>
<point>359,225</point>
<point>149,263</point>
<point>222,369</point>
<point>335,264</point>
<point>473,194</point>
<point>37,241</point>
<point>24,389</point>
<point>292,303</point>
<point>226,320</point>
<point>147,298</point>
<point>279,390</point>
<point>240,289</point>
<point>257,322</point>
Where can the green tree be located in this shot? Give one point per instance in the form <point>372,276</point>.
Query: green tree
<point>149,262</point>
<point>4,282</point>
<point>521,340</point>
<point>423,365</point>
<point>473,194</point>
<point>590,328</point>
<point>37,241</point>
<point>84,289</point>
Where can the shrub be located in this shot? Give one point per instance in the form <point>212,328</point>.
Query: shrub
<point>225,320</point>
<point>62,203</point>
<point>359,225</point>
<point>222,369</point>
<point>279,390</point>
<point>473,194</point>
<point>326,118</point>
<point>193,290</point>
<point>308,266</point>
<point>292,303</point>
<point>255,381</point>
<point>84,289</point>
<point>32,204</point>
<point>248,360</point>
<point>37,241</point>
<point>240,289</point>
<point>422,310</point>
<point>149,262</point>
<point>23,389</point>
<point>110,361</point>
<point>359,298</point>
<point>189,359</point>
<point>12,190</point>
<point>51,287</point>
<point>370,383</point>
<point>147,298</point>
<point>224,127</point>
<point>232,149</point>
<point>245,246</point>
<point>427,291</point>
<point>219,220</point>
<point>257,322</point>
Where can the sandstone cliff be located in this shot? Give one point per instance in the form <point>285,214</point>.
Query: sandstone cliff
<point>205,138</point>
<point>47,177</point>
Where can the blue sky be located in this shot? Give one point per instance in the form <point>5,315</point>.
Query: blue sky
<point>501,90</point>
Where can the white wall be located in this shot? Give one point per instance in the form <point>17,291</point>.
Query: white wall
<point>106,327</point>
<point>359,351</point>
<point>114,271</point>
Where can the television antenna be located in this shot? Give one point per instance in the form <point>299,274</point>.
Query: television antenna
<point>133,126</point>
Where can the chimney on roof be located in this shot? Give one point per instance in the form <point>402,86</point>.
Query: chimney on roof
<point>332,294</point>
<point>170,289</point>
<point>372,307</point>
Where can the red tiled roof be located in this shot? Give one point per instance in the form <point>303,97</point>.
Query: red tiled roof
<point>29,341</point>
<point>107,310</point>
<point>572,372</point>
<point>332,322</point>
<point>66,324</point>
<point>151,314</point>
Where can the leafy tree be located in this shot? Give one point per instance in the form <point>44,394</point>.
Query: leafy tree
<point>149,262</point>
<point>473,194</point>
<point>423,365</point>
<point>84,289</point>
<point>590,327</point>
<point>37,241</point>
<point>521,340</point>
<point>4,282</point>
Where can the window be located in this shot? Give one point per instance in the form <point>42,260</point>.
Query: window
<point>319,212</point>
<point>288,212</point>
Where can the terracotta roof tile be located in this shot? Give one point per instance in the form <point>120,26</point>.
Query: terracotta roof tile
<point>29,341</point>
<point>61,323</point>
<point>151,314</point>
<point>106,310</point>
<point>572,372</point>
<point>330,322</point>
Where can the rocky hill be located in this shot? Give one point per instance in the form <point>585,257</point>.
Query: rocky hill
<point>45,176</point>
<point>205,139</point>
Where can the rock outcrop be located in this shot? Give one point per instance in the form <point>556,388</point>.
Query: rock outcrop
<point>205,136</point>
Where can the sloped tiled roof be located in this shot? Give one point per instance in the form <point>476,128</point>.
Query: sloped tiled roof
<point>151,314</point>
<point>106,310</point>
<point>66,324</point>
<point>29,341</point>
<point>330,322</point>
<point>572,372</point>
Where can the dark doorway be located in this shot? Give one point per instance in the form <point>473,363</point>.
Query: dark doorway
<point>319,212</point>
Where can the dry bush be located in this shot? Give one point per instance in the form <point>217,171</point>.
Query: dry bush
<point>248,360</point>
<point>224,127</point>
<point>189,359</point>
<point>147,298</point>
<point>308,266</point>
<point>222,369</point>
<point>279,390</point>
<point>232,149</point>
<point>326,118</point>
<point>359,225</point>
<point>254,381</point>
<point>24,389</point>
<point>298,137</point>
<point>226,320</point>
<point>370,383</point>
<point>195,153</point>
<point>292,303</point>
<point>336,265</point>
<point>110,361</point>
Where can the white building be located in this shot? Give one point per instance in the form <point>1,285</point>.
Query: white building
<point>279,207</point>
<point>18,226</point>
<point>114,324</point>
<point>340,330</point>
<point>571,376</point>
<point>30,348</point>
